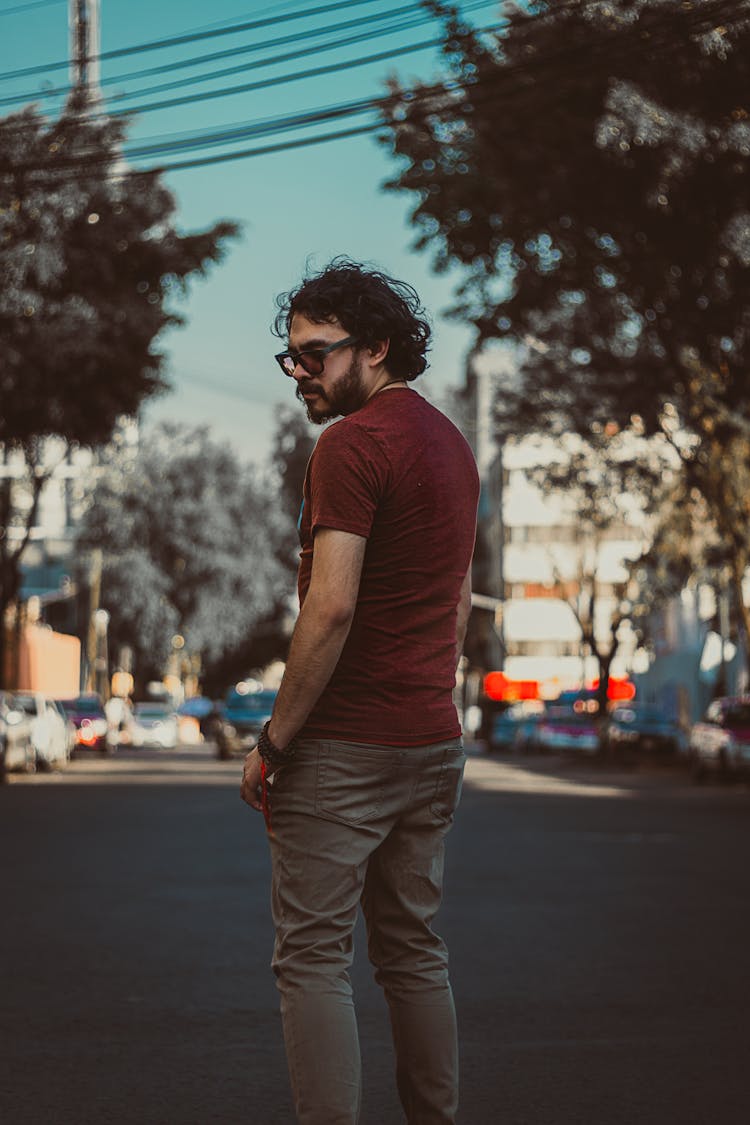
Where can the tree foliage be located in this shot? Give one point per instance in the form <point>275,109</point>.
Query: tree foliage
<point>188,536</point>
<point>92,265</point>
<point>292,447</point>
<point>688,548</point>
<point>589,169</point>
<point>293,443</point>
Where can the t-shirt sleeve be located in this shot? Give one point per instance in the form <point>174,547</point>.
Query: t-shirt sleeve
<point>348,476</point>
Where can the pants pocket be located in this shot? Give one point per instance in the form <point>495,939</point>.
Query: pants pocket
<point>449,783</point>
<point>351,781</point>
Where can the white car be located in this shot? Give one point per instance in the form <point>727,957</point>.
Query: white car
<point>49,733</point>
<point>720,743</point>
<point>154,724</point>
<point>16,749</point>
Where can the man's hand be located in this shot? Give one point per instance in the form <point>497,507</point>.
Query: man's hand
<point>250,789</point>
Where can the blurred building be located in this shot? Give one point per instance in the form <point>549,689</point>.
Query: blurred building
<point>695,652</point>
<point>549,566</point>
<point>56,577</point>
<point>46,560</point>
<point>533,564</point>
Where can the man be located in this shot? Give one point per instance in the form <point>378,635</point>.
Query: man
<point>359,769</point>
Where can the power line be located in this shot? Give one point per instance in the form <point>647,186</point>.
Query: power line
<point>275,8</point>
<point>699,14</point>
<point>176,140</point>
<point>190,37</point>
<point>375,104</point>
<point>279,80</point>
<point>264,150</point>
<point>287,123</point>
<point>223,158</point>
<point>263,84</point>
<point>20,8</point>
<point>408,24</point>
<point>19,125</point>
<point>401,25</point>
<point>289,56</point>
<point>232,29</point>
<point>194,60</point>
<point>487,90</point>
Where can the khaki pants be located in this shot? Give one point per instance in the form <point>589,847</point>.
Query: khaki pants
<point>362,824</point>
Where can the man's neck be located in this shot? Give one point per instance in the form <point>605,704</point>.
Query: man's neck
<point>386,386</point>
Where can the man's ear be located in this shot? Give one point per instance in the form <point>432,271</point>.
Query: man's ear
<point>379,351</point>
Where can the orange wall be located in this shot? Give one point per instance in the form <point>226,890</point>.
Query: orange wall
<point>49,662</point>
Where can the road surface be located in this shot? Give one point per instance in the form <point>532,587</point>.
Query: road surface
<point>599,926</point>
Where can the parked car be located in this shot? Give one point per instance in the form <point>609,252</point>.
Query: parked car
<point>571,725</point>
<point>246,710</point>
<point>515,728</point>
<point>204,711</point>
<point>119,720</point>
<point>86,712</point>
<point>49,734</point>
<point>196,707</point>
<point>642,727</point>
<point>16,747</point>
<point>720,743</point>
<point>154,724</point>
<point>69,725</point>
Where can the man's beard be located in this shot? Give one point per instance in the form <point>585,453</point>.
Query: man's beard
<point>344,396</point>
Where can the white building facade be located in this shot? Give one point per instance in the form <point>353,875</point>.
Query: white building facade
<point>540,564</point>
<point>550,567</point>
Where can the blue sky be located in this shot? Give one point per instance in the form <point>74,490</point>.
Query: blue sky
<point>309,203</point>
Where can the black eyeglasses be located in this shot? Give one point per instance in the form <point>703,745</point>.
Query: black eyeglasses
<point>311,360</point>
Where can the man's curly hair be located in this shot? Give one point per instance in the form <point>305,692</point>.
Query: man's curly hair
<point>369,305</point>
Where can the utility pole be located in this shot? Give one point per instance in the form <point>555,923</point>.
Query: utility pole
<point>491,469</point>
<point>92,639</point>
<point>85,47</point>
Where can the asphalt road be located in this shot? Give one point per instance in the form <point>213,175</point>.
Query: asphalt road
<point>599,925</point>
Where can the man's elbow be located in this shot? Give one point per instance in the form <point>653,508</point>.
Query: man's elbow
<point>333,612</point>
<point>340,615</point>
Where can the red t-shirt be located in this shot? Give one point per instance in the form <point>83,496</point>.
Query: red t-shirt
<point>400,474</point>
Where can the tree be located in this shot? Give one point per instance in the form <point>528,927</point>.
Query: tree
<point>588,169</point>
<point>188,535</point>
<point>293,443</point>
<point>292,448</point>
<point>92,267</point>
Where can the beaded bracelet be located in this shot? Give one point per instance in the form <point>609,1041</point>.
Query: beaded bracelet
<point>273,755</point>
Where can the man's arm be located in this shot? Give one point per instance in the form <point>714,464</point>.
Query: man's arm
<point>321,630</point>
<point>319,635</point>
<point>462,618</point>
